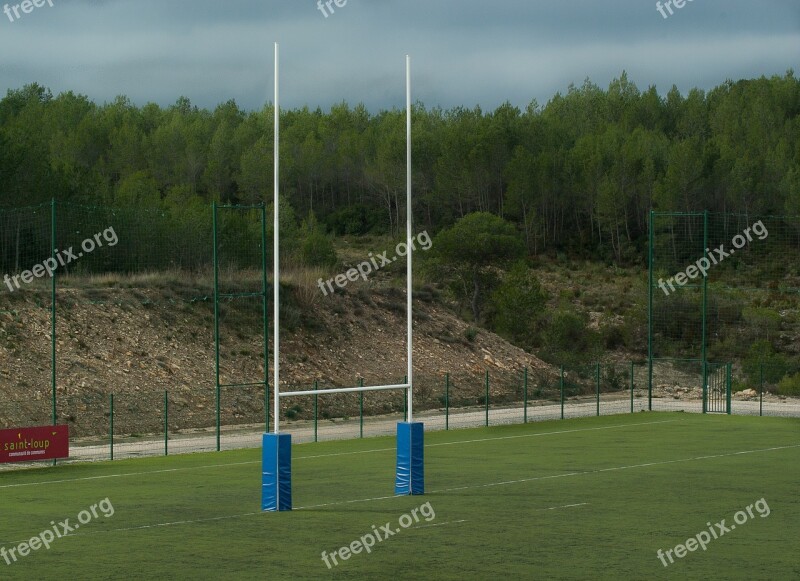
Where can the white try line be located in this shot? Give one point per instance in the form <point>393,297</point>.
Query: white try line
<point>445,490</point>
<point>170,470</point>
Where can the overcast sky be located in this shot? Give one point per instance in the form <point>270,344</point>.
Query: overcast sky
<point>464,52</point>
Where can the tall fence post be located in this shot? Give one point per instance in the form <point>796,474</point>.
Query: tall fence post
<point>487,398</point>
<point>561,385</point>
<point>216,317</point>
<point>704,322</point>
<point>447,401</point>
<point>597,385</point>
<point>632,383</point>
<point>761,394</point>
<point>53,283</point>
<point>219,417</point>
<point>361,408</point>
<point>650,353</point>
<point>525,395</point>
<point>166,423</point>
<point>316,411</point>
<point>111,423</point>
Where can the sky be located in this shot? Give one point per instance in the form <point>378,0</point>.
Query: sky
<point>464,52</point>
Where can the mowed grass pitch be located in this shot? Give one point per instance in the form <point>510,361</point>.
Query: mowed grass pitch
<point>591,498</point>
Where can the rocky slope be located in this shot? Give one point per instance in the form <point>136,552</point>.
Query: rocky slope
<point>139,342</point>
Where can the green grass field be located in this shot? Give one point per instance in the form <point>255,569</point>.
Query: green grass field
<point>592,498</point>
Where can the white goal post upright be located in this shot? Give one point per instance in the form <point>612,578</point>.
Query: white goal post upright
<point>410,314</point>
<point>276,454</point>
<point>276,485</point>
<point>410,471</point>
<point>276,262</point>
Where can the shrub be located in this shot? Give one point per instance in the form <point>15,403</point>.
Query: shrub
<point>356,220</point>
<point>468,254</point>
<point>613,380</point>
<point>790,385</point>
<point>765,323</point>
<point>762,356</point>
<point>316,248</point>
<point>517,305</point>
<point>567,331</point>
<point>293,412</point>
<point>615,336</point>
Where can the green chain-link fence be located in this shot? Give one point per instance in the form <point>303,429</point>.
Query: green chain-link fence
<point>724,290</point>
<point>151,277</point>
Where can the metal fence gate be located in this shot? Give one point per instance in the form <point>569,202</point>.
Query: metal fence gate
<point>717,388</point>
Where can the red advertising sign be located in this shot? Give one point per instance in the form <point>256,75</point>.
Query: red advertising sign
<point>28,444</point>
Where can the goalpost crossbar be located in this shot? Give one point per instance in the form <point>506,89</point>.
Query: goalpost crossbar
<point>345,390</point>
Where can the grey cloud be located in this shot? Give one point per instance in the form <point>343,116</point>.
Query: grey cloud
<point>465,52</point>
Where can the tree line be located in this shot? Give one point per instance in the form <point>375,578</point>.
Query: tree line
<point>577,175</point>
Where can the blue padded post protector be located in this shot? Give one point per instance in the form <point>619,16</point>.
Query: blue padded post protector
<point>410,478</point>
<point>276,472</point>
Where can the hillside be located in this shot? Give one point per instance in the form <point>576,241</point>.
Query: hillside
<point>137,341</point>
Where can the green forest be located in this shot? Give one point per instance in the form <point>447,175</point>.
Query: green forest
<point>577,175</point>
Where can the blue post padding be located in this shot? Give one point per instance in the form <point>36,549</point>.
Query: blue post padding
<point>410,478</point>
<point>276,472</point>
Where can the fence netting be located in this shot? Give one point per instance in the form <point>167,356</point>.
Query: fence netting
<point>132,367</point>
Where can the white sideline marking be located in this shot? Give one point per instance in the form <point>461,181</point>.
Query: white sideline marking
<point>565,506</point>
<point>491,484</point>
<point>167,470</point>
<point>440,524</point>
<point>153,526</point>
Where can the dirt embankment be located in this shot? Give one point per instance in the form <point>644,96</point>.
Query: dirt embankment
<point>139,343</point>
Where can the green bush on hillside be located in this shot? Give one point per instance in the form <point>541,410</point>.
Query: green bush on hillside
<point>790,385</point>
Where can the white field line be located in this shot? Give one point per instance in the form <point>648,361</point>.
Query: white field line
<point>124,474</point>
<point>564,506</point>
<point>169,470</point>
<point>439,524</point>
<point>342,502</point>
<point>615,468</point>
<point>455,489</point>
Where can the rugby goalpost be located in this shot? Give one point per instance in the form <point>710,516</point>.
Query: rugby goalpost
<point>276,485</point>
